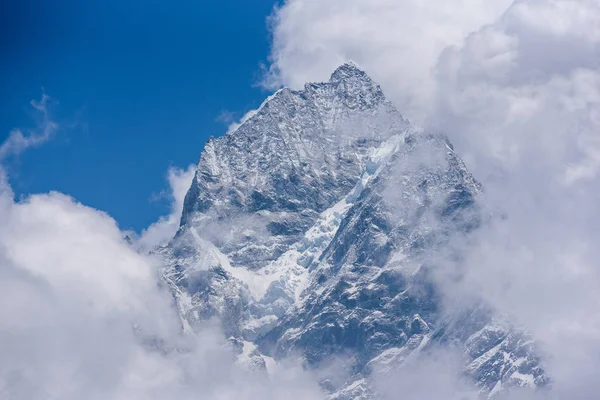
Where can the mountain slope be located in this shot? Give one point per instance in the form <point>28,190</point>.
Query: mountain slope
<point>316,226</point>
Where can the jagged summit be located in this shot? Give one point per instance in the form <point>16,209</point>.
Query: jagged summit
<point>313,227</point>
<point>352,86</point>
<point>349,70</point>
<point>348,87</point>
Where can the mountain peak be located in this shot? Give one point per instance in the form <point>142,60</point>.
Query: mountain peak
<point>349,70</point>
<point>315,227</point>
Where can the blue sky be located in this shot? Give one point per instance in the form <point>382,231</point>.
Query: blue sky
<point>138,87</point>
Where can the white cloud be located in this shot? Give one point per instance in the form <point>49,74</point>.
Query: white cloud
<point>414,379</point>
<point>74,287</point>
<point>165,228</point>
<point>73,290</point>
<point>396,41</point>
<point>17,141</point>
<point>520,99</point>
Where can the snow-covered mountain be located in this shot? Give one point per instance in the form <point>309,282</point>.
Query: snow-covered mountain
<point>314,228</point>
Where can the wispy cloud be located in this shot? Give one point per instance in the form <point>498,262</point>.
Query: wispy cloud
<point>165,228</point>
<point>233,120</point>
<point>18,140</point>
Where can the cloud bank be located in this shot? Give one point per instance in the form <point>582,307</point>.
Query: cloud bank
<point>397,42</point>
<point>520,98</point>
<point>85,317</point>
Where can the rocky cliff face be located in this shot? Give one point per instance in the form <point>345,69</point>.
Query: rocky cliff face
<point>315,228</point>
